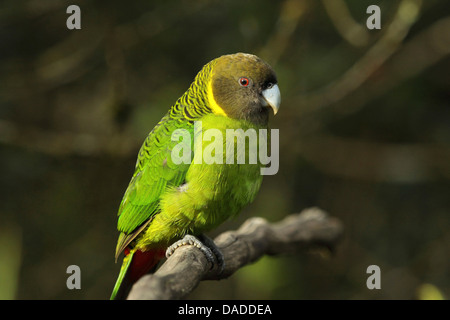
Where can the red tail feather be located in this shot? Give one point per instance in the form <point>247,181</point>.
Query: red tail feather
<point>143,262</point>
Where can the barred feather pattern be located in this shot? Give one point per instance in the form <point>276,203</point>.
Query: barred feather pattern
<point>191,106</point>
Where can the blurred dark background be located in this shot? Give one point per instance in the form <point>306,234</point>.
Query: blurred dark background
<point>364,134</point>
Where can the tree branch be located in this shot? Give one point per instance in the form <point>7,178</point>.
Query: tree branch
<point>183,271</point>
<point>376,56</point>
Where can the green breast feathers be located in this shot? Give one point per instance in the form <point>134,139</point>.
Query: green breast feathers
<point>215,188</point>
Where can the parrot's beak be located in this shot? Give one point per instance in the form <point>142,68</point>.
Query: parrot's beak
<point>271,97</point>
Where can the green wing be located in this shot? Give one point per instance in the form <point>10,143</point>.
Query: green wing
<point>155,172</point>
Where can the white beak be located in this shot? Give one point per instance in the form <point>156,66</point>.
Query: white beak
<point>272,98</point>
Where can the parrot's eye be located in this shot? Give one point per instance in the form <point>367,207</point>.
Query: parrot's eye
<point>244,81</point>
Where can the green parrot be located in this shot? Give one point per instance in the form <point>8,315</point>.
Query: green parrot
<point>166,199</point>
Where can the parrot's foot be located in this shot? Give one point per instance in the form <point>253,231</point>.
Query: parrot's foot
<point>205,244</point>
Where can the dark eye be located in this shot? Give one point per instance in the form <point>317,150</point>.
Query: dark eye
<point>244,81</point>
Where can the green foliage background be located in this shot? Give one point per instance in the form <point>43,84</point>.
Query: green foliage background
<point>364,134</point>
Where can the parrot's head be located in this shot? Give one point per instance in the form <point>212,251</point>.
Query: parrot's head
<point>242,86</point>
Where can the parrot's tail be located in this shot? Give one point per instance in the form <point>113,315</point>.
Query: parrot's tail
<point>135,264</point>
